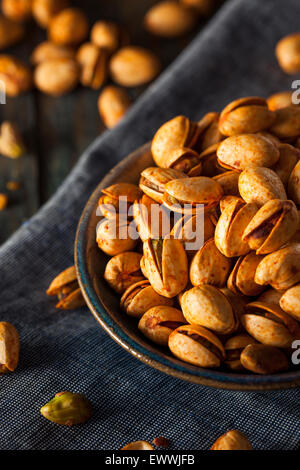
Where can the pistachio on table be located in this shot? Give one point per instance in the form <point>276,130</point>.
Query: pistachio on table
<point>57,76</point>
<point>15,74</point>
<point>11,141</point>
<point>157,323</point>
<point>138,445</point>
<point>65,286</point>
<point>108,35</point>
<point>69,27</point>
<point>141,297</point>
<point>9,347</point>
<point>44,10</point>
<point>169,19</point>
<point>3,201</point>
<point>68,409</point>
<point>93,65</point>
<point>113,104</point>
<point>232,440</point>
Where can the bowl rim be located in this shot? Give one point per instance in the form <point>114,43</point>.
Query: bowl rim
<point>175,368</point>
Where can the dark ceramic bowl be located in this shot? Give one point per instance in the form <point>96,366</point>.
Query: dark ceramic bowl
<point>104,302</point>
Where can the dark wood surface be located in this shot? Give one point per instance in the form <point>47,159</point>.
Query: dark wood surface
<point>57,130</point>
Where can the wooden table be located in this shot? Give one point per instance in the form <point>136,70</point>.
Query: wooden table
<point>57,130</point>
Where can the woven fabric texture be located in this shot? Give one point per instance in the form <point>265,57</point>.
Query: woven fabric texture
<point>232,57</point>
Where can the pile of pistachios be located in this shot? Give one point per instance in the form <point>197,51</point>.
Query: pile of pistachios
<point>234,300</point>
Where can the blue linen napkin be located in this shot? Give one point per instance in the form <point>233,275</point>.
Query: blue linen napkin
<point>232,57</point>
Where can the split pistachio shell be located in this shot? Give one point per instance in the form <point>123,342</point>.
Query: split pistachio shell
<point>245,116</point>
<point>166,266</point>
<point>294,184</point>
<point>138,445</point>
<point>272,226</point>
<point>141,297</point>
<point>270,325</point>
<point>209,266</point>
<point>188,230</point>
<point>192,191</point>
<point>123,270</point>
<point>232,440</point>
<point>288,53</point>
<point>259,185</point>
<point>280,269</point>
<point>207,306</point>
<point>65,286</point>
<point>154,179</point>
<point>196,345</point>
<point>263,359</point>
<point>184,160</point>
<point>247,151</point>
<point>93,65</point>
<point>227,200</point>
<point>287,123</point>
<point>211,135</point>
<point>67,408</point>
<point>9,347</point>
<point>115,236</point>
<point>151,219</point>
<point>113,199</point>
<point>290,302</point>
<point>241,279</point>
<point>234,346</point>
<point>229,182</point>
<point>289,156</point>
<point>158,323</point>
<point>279,100</point>
<point>230,227</point>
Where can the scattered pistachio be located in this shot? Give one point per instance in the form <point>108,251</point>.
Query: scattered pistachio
<point>9,347</point>
<point>67,408</point>
<point>11,142</point>
<point>138,445</point>
<point>67,289</point>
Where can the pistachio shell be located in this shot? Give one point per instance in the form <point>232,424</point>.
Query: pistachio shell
<point>211,135</point>
<point>279,100</point>
<point>229,182</point>
<point>209,266</point>
<point>65,277</point>
<point>107,35</point>
<point>48,51</point>
<point>138,445</point>
<point>115,236</point>
<point>185,160</point>
<point>241,279</point>
<point>93,64</point>
<point>272,226</point>
<point>169,19</point>
<point>290,302</point>
<point>232,440</point>
<point>140,297</point>
<point>158,323</point>
<point>234,346</point>
<point>151,219</point>
<point>67,408</point>
<point>280,269</point>
<point>69,27</point>
<point>209,161</point>
<point>56,76</point>
<point>287,123</point>
<point>196,345</point>
<point>271,296</point>
<point>131,191</point>
<point>207,306</point>
<point>263,359</point>
<point>227,200</point>
<point>293,184</point>
<point>288,53</point>
<point>153,181</point>
<point>123,270</point>
<point>15,75</point>
<point>247,151</point>
<point>193,231</point>
<point>288,158</point>
<point>9,347</point>
<point>259,185</point>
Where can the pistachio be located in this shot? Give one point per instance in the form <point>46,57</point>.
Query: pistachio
<point>293,184</point>
<point>141,297</point>
<point>67,408</point>
<point>44,10</point>
<point>133,66</point>
<point>10,32</point>
<point>57,76</point>
<point>280,269</point>
<point>169,19</point>
<point>238,303</point>
<point>3,201</point>
<point>287,123</point>
<point>153,181</point>
<point>158,323</point>
<point>117,199</point>
<point>161,442</point>
<point>11,141</point>
<point>209,266</point>
<point>246,116</point>
<point>241,279</point>
<point>9,347</point>
<point>93,64</point>
<point>247,151</point>
<point>272,226</point>
<point>184,160</point>
<point>65,286</point>
<point>48,51</point>
<point>113,104</point>
<point>108,35</point>
<point>270,325</point>
<point>207,306</point>
<point>203,7</point>
<point>196,345</point>
<point>69,27</point>
<point>138,445</point>
<point>259,185</point>
<point>123,270</point>
<point>288,158</point>
<point>230,227</point>
<point>115,236</point>
<point>234,346</point>
<point>166,266</point>
<point>151,219</point>
<point>271,296</point>
<point>209,131</point>
<point>263,359</point>
<point>288,53</point>
<point>209,162</point>
<point>279,100</point>
<point>15,75</point>
<point>17,10</point>
<point>232,440</point>
<point>229,182</point>
<point>189,230</point>
<point>290,302</point>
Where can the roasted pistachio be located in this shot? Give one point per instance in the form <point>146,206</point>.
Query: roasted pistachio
<point>108,35</point>
<point>11,141</point>
<point>117,199</point>
<point>44,10</point>
<point>232,440</point>
<point>238,303</point>
<point>246,116</point>
<point>158,323</point>
<point>93,64</point>
<point>209,266</point>
<point>289,156</point>
<point>259,185</point>
<point>153,181</point>
<point>196,345</point>
<point>290,302</point>
<point>271,296</point>
<point>151,219</point>
<point>115,236</point>
<point>65,286</point>
<point>287,123</point>
<point>209,131</point>
<point>133,66</point>
<point>234,346</point>
<point>138,445</point>
<point>293,184</point>
<point>279,100</point>
<point>166,266</point>
<point>263,359</point>
<point>280,269</point>
<point>67,408</point>
<point>57,76</point>
<point>140,297</point>
<point>207,306</point>
<point>48,51</point>
<point>247,151</point>
<point>189,229</point>
<point>15,75</point>
<point>169,19</point>
<point>113,104</point>
<point>10,32</point>
<point>288,53</point>
<point>229,182</point>
<point>123,270</point>
<point>272,226</point>
<point>9,347</point>
<point>17,10</point>
<point>209,162</point>
<point>69,27</point>
<point>241,279</point>
<point>184,160</point>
